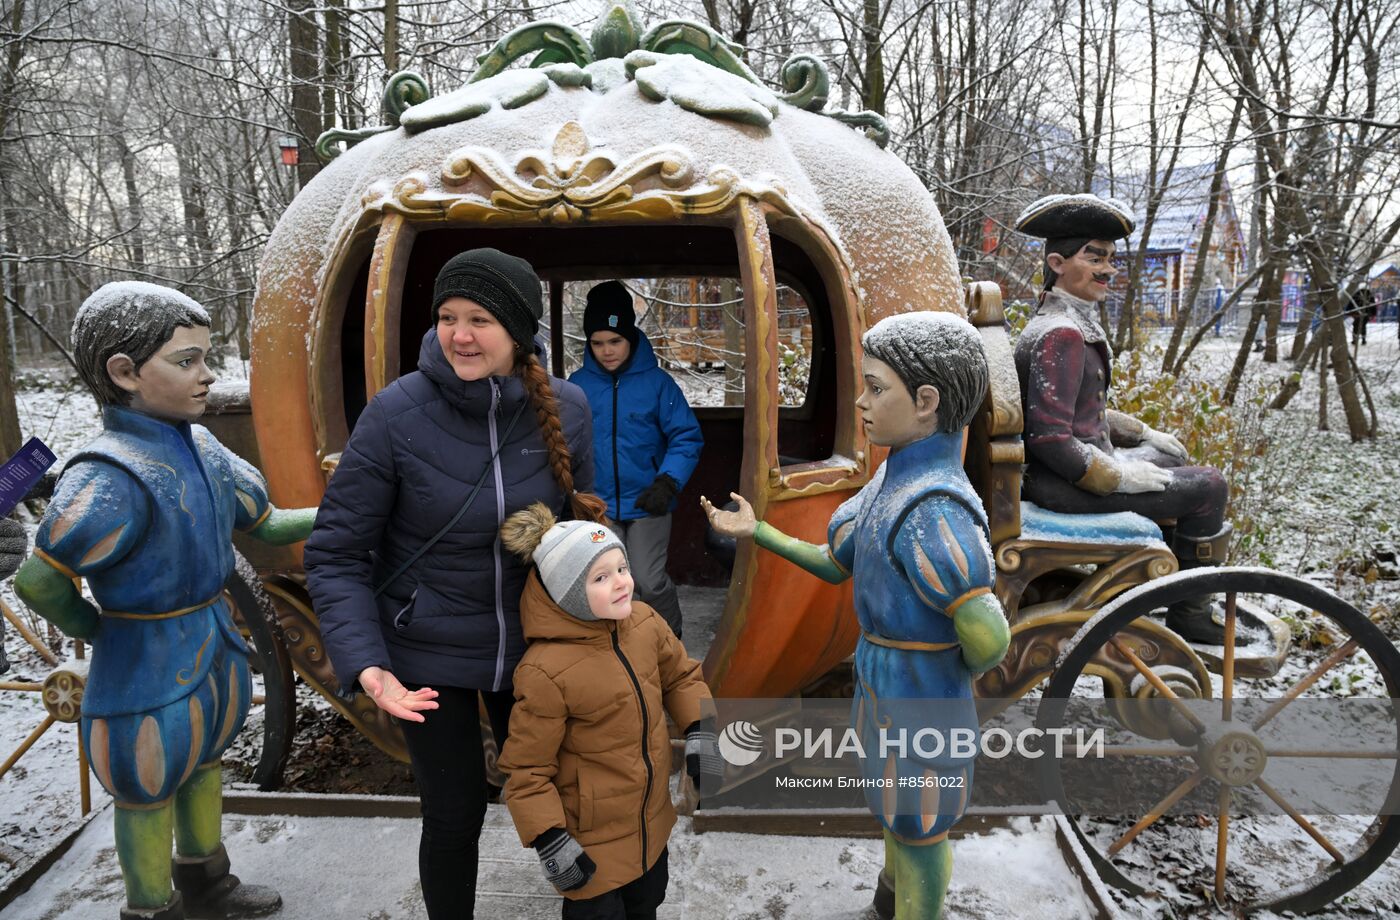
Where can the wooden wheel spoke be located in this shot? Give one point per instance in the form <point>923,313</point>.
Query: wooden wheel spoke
<point>1222,839</point>
<point>1227,669</point>
<point>1341,654</point>
<point>1156,681</point>
<point>28,743</point>
<point>28,634</point>
<point>1301,821</point>
<point>1128,750</point>
<point>1176,795</point>
<point>1342,754</point>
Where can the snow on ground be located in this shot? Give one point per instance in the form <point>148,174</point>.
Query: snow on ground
<point>321,867</point>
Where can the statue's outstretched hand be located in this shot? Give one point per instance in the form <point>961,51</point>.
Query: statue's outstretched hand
<point>394,698</point>
<point>1141,476</point>
<point>741,523</point>
<point>1166,443</point>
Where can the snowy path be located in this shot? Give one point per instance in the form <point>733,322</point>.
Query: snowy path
<point>366,869</point>
<point>322,867</point>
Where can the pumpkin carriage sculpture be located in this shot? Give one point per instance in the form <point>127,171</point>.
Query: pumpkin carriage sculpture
<point>661,155</point>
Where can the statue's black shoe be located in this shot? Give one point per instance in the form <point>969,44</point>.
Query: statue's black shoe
<point>212,893</point>
<point>1195,621</point>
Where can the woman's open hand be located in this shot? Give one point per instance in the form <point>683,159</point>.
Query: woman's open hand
<point>394,698</point>
<point>741,523</point>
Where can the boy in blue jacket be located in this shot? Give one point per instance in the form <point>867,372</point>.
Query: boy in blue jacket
<point>646,441</point>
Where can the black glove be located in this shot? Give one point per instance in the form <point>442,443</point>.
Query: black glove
<point>565,864</point>
<point>655,499</point>
<point>14,546</point>
<point>702,760</point>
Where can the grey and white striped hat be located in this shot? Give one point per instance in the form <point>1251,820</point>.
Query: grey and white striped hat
<point>564,557</point>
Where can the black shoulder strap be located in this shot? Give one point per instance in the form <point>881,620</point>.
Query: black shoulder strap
<point>471,497</point>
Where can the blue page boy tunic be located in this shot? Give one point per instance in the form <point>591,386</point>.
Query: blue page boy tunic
<point>145,513</point>
<point>915,539</point>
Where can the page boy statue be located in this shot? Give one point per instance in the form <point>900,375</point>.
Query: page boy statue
<point>1073,439</point>
<point>144,513</point>
<point>914,541</point>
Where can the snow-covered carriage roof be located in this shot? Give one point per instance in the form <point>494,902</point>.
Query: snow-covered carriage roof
<point>667,131</point>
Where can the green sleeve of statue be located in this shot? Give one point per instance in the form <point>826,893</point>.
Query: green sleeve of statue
<point>283,526</point>
<point>982,631</point>
<point>809,556</point>
<point>52,594</point>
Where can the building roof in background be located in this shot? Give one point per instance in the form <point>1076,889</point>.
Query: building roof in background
<point>1380,268</point>
<point>1183,207</point>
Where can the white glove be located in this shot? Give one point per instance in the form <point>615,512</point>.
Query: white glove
<point>1140,476</point>
<point>1165,443</point>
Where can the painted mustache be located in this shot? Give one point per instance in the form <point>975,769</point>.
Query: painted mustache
<point>1102,277</point>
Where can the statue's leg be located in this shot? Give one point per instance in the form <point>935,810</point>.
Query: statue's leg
<point>921,875</point>
<point>143,850</point>
<point>201,868</point>
<point>199,810</point>
<point>884,884</point>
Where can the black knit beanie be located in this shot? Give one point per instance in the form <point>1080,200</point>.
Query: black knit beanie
<point>610,310</point>
<point>505,285</point>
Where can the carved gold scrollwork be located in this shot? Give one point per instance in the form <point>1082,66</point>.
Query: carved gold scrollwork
<point>1031,656</point>
<point>302,630</point>
<point>571,183</point>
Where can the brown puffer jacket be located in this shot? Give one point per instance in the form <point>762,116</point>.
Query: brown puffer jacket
<point>587,694</point>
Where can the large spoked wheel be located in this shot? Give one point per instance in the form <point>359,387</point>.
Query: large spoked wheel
<point>267,655</point>
<point>1215,751</point>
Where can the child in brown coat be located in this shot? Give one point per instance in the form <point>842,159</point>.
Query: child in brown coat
<point>589,754</point>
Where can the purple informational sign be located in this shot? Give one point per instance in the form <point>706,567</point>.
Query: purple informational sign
<point>22,471</point>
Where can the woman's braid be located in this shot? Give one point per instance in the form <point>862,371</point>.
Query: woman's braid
<point>586,507</point>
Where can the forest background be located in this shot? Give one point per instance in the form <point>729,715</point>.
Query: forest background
<point>146,139</point>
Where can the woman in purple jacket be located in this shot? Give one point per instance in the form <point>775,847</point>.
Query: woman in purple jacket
<point>418,603</point>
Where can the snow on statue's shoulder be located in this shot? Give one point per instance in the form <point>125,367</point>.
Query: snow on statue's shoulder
<point>701,88</point>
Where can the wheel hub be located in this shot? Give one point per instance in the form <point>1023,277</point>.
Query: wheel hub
<point>1234,757</point>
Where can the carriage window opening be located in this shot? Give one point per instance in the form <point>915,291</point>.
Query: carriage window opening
<point>696,329</point>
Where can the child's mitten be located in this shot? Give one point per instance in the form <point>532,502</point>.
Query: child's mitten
<point>702,753</point>
<point>565,864</point>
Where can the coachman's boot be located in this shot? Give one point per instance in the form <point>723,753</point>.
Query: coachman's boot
<point>1194,619</point>
<point>174,909</point>
<point>212,893</point>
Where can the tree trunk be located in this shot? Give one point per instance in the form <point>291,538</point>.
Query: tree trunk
<point>333,72</point>
<point>135,246</point>
<point>1273,316</point>
<point>1357,426</point>
<point>1232,386</point>
<point>9,413</point>
<point>1183,315</point>
<point>391,36</point>
<point>305,68</point>
<point>874,58</point>
<point>1322,382</point>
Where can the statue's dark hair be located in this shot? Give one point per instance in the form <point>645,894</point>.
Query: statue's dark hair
<point>1068,247</point>
<point>950,359</point>
<point>129,318</point>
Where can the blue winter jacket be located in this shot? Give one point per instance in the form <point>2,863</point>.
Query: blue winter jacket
<point>453,618</point>
<point>642,427</point>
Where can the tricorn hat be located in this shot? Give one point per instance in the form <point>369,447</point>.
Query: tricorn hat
<point>1057,217</point>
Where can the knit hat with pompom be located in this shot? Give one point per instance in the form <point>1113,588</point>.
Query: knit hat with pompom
<point>564,551</point>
